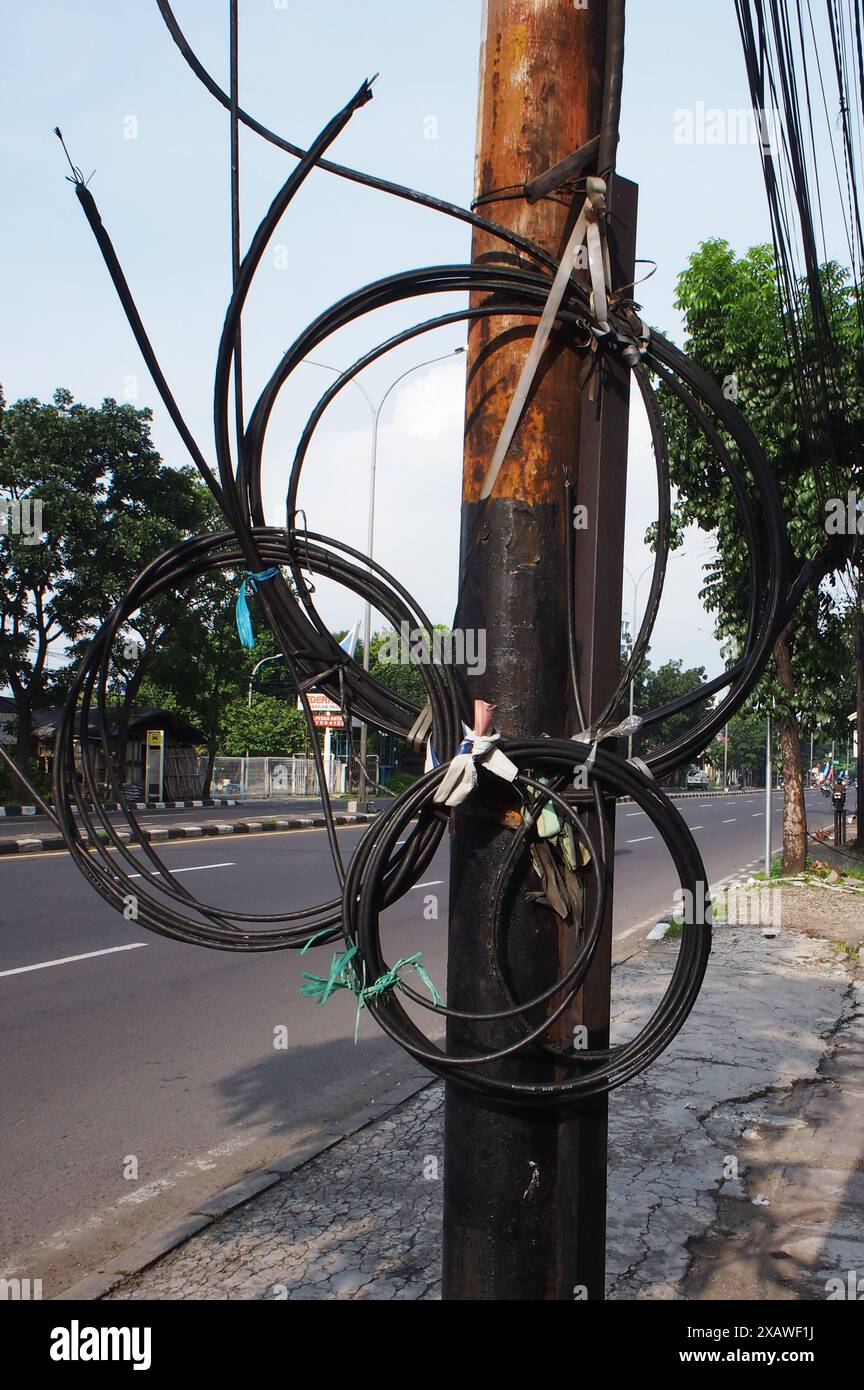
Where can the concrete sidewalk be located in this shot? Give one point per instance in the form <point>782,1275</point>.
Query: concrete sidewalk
<point>735,1166</point>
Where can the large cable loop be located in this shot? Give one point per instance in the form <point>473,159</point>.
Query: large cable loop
<point>592,1073</point>
<point>395,850</point>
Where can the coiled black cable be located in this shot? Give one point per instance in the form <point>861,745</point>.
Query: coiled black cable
<point>394,852</point>
<point>591,1072</point>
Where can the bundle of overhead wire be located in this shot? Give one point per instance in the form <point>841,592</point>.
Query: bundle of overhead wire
<point>805,70</point>
<point>280,560</point>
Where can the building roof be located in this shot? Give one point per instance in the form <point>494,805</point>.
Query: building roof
<point>46,722</point>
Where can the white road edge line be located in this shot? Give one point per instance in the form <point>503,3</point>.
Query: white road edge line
<point>641,840</point>
<point>67,960</point>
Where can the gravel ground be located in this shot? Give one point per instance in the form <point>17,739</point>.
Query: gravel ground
<point>830,909</point>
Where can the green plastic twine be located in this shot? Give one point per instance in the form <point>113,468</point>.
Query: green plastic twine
<point>344,976</point>
<point>325,931</point>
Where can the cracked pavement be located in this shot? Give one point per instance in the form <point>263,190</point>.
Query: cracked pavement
<point>755,1099</point>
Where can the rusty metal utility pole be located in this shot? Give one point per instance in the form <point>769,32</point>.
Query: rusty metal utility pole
<point>524,1188</point>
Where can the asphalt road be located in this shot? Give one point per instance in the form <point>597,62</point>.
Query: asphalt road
<point>125,1052</point>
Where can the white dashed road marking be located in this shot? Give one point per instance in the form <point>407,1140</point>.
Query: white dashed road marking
<point>67,960</point>
<point>193,869</point>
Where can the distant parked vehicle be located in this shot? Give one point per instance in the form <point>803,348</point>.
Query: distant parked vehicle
<point>697,777</point>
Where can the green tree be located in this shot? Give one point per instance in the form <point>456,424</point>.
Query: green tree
<point>267,728</point>
<point>735,331</point>
<point>656,687</point>
<point>202,670</point>
<point>746,752</point>
<point>108,506</point>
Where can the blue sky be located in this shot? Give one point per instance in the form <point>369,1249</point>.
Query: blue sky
<point>106,72</point>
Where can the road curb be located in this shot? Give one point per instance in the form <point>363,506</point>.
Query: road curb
<point>152,1248</point>
<point>160,834</point>
<point>21,808</point>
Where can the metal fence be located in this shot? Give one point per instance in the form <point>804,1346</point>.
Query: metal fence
<point>256,778</point>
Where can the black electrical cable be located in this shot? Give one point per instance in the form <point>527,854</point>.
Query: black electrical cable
<point>101,856</point>
<point>396,849</point>
<point>592,1072</point>
<point>779,55</point>
<point>498,279</point>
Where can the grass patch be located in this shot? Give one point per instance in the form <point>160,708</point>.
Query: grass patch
<point>844,949</point>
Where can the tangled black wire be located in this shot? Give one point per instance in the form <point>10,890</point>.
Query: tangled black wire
<point>396,848</point>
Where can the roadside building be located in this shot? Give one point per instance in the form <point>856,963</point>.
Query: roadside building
<point>156,761</point>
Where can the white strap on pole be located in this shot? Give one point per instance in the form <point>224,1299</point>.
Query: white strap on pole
<point>587,228</point>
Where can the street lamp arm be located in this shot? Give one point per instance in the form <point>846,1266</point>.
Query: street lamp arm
<point>263,662</point>
<point>256,668</point>
<point>416,368</point>
<point>313,362</point>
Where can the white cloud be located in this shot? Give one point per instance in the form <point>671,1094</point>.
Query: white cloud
<point>417,495</point>
<point>431,404</point>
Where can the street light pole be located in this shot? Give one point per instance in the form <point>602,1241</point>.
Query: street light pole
<point>370,534</point>
<point>725,757</point>
<point>635,583</point>
<point>375,411</point>
<point>768,796</point>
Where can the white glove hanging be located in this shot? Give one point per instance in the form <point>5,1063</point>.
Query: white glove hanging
<point>478,748</point>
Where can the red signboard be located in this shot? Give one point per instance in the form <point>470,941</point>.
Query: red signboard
<point>328,721</point>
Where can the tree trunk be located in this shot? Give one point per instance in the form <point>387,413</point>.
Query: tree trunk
<point>859,710</point>
<point>23,738</point>
<point>794,809</point>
